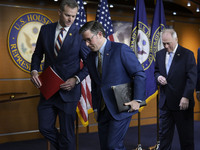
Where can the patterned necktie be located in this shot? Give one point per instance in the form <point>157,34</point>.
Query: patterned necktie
<point>99,64</point>
<point>100,73</point>
<point>169,62</point>
<point>59,41</point>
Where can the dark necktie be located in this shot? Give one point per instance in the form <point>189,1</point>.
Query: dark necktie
<point>99,64</point>
<point>100,73</point>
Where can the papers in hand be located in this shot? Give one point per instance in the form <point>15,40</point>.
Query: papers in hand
<point>51,82</point>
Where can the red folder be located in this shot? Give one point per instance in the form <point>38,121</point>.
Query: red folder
<point>50,82</point>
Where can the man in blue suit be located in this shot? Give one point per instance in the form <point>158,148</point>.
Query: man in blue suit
<point>177,86</point>
<point>119,65</point>
<point>66,63</point>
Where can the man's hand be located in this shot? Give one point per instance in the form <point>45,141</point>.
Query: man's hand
<point>134,105</point>
<point>35,79</point>
<point>184,103</point>
<point>162,80</point>
<point>69,84</point>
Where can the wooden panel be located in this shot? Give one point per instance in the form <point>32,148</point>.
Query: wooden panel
<point>188,35</point>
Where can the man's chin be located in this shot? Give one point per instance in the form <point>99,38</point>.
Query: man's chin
<point>68,24</point>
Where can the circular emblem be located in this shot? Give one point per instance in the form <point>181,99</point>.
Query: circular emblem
<point>157,43</point>
<point>22,38</point>
<point>141,45</point>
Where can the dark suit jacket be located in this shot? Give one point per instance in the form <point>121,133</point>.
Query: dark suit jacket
<point>198,71</point>
<point>120,65</point>
<point>181,79</point>
<point>67,63</point>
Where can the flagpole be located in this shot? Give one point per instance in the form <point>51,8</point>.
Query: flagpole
<point>48,145</point>
<point>77,140</point>
<point>139,146</point>
<point>158,138</point>
<point>156,147</point>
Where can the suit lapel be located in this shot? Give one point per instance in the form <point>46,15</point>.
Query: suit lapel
<point>174,61</point>
<point>163,61</point>
<point>93,66</point>
<point>51,36</point>
<point>67,41</point>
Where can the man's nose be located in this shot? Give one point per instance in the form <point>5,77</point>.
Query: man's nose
<point>87,43</point>
<point>166,46</point>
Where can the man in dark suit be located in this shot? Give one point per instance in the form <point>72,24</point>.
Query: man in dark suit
<point>65,61</point>
<point>177,86</point>
<point>119,65</point>
<point>198,76</point>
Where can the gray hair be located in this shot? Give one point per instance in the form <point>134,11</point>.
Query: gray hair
<point>172,32</point>
<point>70,3</point>
<point>94,27</point>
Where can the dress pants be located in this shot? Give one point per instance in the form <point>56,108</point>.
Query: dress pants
<point>48,110</point>
<point>111,132</point>
<point>184,121</point>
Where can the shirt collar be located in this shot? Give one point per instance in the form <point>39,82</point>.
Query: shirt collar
<point>59,27</point>
<point>174,51</point>
<point>103,47</point>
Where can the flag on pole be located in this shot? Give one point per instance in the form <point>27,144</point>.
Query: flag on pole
<point>85,104</point>
<point>158,26</point>
<point>103,16</point>
<point>81,16</point>
<point>140,44</point>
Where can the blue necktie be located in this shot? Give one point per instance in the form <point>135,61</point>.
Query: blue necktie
<point>169,62</point>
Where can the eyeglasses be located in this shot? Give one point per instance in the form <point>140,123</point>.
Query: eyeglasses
<point>89,39</point>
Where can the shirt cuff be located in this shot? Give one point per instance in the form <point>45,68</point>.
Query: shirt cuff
<point>139,101</point>
<point>34,71</point>
<point>77,79</point>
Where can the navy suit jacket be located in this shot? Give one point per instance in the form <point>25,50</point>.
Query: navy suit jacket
<point>181,78</point>
<point>198,71</point>
<point>120,65</point>
<point>67,63</point>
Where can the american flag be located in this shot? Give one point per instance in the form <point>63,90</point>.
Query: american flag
<point>81,16</point>
<point>85,104</point>
<point>103,16</point>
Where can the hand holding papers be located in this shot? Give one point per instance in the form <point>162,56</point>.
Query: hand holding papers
<point>50,82</point>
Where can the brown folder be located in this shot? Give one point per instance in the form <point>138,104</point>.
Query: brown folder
<point>51,82</point>
<point>123,94</point>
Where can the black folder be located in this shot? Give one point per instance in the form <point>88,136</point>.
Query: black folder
<point>123,94</point>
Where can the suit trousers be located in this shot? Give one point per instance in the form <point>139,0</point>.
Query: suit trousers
<point>111,131</point>
<point>184,122</point>
<point>48,110</point>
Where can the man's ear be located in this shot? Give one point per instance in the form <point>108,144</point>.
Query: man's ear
<point>100,34</point>
<point>59,12</point>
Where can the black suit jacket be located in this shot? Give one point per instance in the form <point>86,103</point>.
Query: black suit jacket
<point>198,71</point>
<point>181,79</point>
